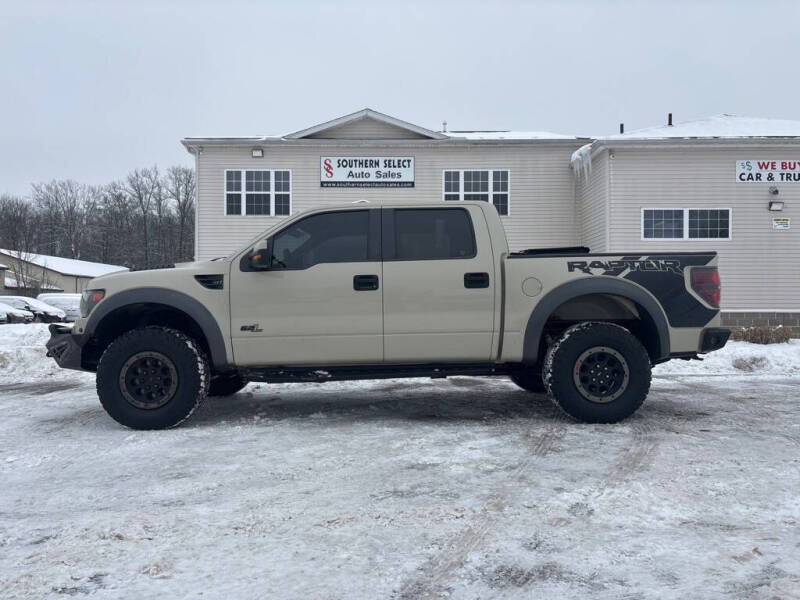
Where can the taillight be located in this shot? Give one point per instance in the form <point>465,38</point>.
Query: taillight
<point>705,281</point>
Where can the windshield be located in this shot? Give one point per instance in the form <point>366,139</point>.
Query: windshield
<point>15,302</point>
<point>33,303</point>
<point>66,302</point>
<point>253,241</point>
<point>39,305</point>
<point>8,308</point>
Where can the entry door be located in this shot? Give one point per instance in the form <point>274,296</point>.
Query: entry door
<point>438,275</point>
<point>320,303</point>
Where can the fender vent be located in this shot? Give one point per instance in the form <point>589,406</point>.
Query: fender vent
<point>212,282</point>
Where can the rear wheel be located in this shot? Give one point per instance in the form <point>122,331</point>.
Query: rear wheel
<point>529,380</point>
<point>226,384</point>
<point>597,372</point>
<point>152,378</point>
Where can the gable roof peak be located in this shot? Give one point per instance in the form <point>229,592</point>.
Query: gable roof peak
<point>366,113</point>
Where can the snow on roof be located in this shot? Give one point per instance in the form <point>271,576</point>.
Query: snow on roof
<point>725,127</point>
<point>11,283</point>
<point>368,113</point>
<point>718,126</point>
<point>65,266</point>
<point>509,135</point>
<point>2,266</point>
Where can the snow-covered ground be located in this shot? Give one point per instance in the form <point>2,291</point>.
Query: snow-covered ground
<point>459,488</point>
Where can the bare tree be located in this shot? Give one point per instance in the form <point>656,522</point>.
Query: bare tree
<point>19,236</point>
<point>66,208</point>
<point>180,184</point>
<point>142,220</point>
<point>142,186</point>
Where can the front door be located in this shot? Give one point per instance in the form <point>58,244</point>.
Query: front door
<point>438,285</point>
<point>320,302</point>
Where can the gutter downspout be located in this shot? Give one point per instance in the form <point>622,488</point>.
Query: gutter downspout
<point>196,150</point>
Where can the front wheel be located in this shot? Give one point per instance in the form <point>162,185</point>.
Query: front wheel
<point>152,378</point>
<point>597,372</point>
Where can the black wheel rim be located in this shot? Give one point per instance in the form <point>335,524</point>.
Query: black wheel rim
<point>148,380</point>
<point>601,374</point>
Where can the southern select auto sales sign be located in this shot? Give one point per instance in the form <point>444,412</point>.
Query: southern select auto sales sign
<point>753,170</point>
<point>366,171</point>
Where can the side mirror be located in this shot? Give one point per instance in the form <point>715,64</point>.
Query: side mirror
<point>260,259</point>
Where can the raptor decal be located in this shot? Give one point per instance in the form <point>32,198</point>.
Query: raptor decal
<point>652,272</point>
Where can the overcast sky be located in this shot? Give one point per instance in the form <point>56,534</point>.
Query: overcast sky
<point>91,90</point>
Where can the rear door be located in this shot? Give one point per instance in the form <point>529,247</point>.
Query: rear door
<point>439,282</point>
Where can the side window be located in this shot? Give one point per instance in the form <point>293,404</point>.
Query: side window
<point>433,234</point>
<point>324,238</point>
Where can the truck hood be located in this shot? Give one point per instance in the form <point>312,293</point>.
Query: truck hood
<point>172,276</point>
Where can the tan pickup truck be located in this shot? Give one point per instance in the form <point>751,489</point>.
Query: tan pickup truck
<point>367,291</point>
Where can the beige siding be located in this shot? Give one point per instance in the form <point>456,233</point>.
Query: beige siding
<point>759,266</point>
<point>542,197</point>
<point>366,129</point>
<point>592,193</point>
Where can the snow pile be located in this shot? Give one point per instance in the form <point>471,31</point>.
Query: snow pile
<point>740,358</point>
<point>23,355</point>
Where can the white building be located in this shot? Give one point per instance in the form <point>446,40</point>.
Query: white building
<point>28,273</point>
<point>693,186</point>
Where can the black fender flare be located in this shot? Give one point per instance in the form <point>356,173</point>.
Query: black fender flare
<point>171,299</point>
<point>592,285</point>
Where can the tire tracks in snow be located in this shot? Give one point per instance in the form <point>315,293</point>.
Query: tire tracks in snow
<point>637,457</point>
<point>435,573</point>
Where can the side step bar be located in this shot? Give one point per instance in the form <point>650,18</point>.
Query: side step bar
<point>344,373</point>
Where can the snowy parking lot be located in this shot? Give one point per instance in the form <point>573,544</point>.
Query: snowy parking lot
<point>458,488</point>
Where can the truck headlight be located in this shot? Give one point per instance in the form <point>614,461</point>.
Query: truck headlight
<point>89,299</point>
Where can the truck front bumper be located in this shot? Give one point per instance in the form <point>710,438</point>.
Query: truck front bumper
<point>65,347</point>
<point>714,338</point>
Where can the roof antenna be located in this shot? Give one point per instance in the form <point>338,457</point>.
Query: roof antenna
<point>669,119</point>
<point>444,126</point>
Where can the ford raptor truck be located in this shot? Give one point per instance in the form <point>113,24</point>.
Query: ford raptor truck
<point>388,290</point>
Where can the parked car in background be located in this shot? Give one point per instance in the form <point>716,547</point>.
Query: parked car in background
<point>42,311</point>
<point>69,303</point>
<point>15,315</point>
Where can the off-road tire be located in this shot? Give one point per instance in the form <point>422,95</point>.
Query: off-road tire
<point>562,372</point>
<point>529,379</point>
<point>226,384</point>
<point>190,367</point>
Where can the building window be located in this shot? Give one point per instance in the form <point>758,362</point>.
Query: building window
<point>452,185</point>
<point>709,224</point>
<point>686,223</point>
<point>487,186</point>
<point>233,192</point>
<point>266,192</point>
<point>662,224</point>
